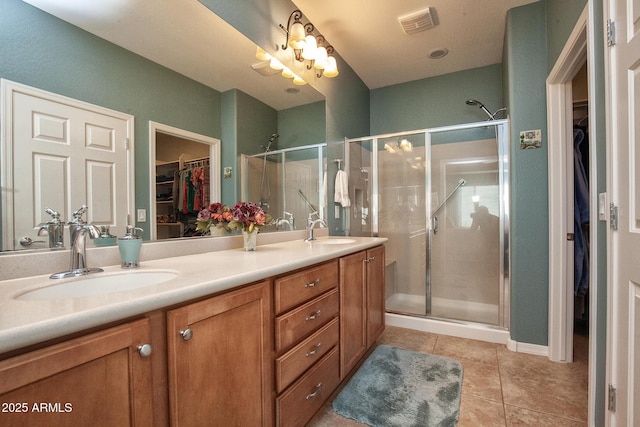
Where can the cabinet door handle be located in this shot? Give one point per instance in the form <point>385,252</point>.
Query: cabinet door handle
<point>315,350</point>
<point>370,259</point>
<point>314,316</point>
<point>315,393</point>
<point>312,284</point>
<point>186,334</point>
<point>145,350</point>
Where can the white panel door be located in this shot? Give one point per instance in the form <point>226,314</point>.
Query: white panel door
<point>65,154</point>
<point>624,186</point>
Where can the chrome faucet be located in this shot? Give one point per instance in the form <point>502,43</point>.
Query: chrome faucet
<point>286,220</point>
<point>54,228</point>
<point>311,223</point>
<point>78,230</point>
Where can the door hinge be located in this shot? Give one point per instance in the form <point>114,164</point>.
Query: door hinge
<point>613,216</point>
<point>126,143</point>
<point>612,398</point>
<point>611,32</point>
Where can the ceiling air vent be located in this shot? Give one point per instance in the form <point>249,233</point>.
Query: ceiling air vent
<point>417,21</point>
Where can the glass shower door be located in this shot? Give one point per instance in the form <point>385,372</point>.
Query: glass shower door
<point>465,239</point>
<point>390,202</point>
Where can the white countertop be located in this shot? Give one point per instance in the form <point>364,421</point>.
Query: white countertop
<point>23,323</point>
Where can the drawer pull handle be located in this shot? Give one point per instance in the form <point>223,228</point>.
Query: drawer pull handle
<point>370,259</point>
<point>315,393</point>
<point>312,284</point>
<point>315,350</point>
<point>186,334</point>
<point>314,316</point>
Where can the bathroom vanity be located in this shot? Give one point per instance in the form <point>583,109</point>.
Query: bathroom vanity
<point>233,338</point>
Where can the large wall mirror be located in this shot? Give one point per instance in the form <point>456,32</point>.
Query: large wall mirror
<point>115,57</point>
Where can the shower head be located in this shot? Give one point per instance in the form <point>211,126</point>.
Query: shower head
<point>268,146</point>
<point>483,108</point>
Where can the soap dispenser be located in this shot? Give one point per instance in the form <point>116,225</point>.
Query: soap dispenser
<point>129,246</point>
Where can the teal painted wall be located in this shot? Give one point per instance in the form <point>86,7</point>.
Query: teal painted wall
<point>304,125</point>
<point>526,63</point>
<point>561,18</point>
<point>436,101</point>
<point>45,52</point>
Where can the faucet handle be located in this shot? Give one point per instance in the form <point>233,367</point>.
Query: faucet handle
<point>77,215</point>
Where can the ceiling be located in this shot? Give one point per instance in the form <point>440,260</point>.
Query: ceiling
<point>186,37</point>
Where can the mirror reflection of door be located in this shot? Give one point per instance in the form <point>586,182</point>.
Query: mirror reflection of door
<point>65,153</point>
<point>185,179</point>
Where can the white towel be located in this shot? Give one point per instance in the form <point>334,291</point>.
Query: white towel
<point>342,189</point>
<point>324,189</point>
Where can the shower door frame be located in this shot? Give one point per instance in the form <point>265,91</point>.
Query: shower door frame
<point>502,139</point>
<point>321,160</point>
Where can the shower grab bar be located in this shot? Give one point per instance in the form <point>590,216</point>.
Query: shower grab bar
<point>306,200</point>
<point>433,215</point>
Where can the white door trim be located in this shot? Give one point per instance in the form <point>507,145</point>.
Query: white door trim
<point>560,136</point>
<point>214,164</point>
<point>579,46</point>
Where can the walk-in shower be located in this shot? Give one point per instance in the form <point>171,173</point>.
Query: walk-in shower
<point>441,198</point>
<point>287,183</point>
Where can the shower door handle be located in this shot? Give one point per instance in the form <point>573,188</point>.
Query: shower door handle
<point>434,222</point>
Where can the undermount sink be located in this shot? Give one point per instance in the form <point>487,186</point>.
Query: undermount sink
<point>333,241</point>
<point>100,284</point>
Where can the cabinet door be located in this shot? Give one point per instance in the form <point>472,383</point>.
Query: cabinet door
<point>375,294</point>
<point>220,372</point>
<point>353,311</point>
<point>97,380</point>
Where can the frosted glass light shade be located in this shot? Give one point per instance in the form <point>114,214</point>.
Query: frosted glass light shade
<point>297,80</point>
<point>297,36</point>
<point>261,54</point>
<point>309,51</point>
<point>321,58</point>
<point>287,73</point>
<point>275,64</point>
<point>331,68</point>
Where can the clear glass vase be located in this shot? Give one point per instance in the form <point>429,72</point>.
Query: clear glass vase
<point>250,239</point>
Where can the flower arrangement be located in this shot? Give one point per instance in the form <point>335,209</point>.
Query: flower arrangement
<point>248,216</point>
<point>216,215</point>
<point>244,216</point>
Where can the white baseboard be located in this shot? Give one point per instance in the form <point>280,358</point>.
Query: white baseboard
<point>523,347</point>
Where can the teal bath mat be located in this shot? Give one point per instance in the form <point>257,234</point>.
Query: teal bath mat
<point>396,387</point>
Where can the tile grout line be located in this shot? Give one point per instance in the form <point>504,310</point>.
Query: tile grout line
<point>504,406</point>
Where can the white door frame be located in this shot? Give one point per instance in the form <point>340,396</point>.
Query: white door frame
<point>579,47</point>
<point>214,164</point>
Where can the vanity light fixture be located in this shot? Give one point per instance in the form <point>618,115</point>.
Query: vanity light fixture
<point>308,47</point>
<point>274,64</point>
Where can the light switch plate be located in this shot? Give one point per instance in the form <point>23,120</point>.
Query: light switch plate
<point>142,215</point>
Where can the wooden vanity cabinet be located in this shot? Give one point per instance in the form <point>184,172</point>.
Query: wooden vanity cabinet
<point>362,299</point>
<point>101,379</point>
<point>220,360</point>
<point>307,364</point>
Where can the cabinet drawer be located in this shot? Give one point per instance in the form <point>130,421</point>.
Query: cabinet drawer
<point>297,288</point>
<point>302,400</point>
<point>292,364</point>
<point>300,322</point>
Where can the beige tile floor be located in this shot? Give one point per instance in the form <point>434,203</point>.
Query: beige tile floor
<point>500,387</point>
